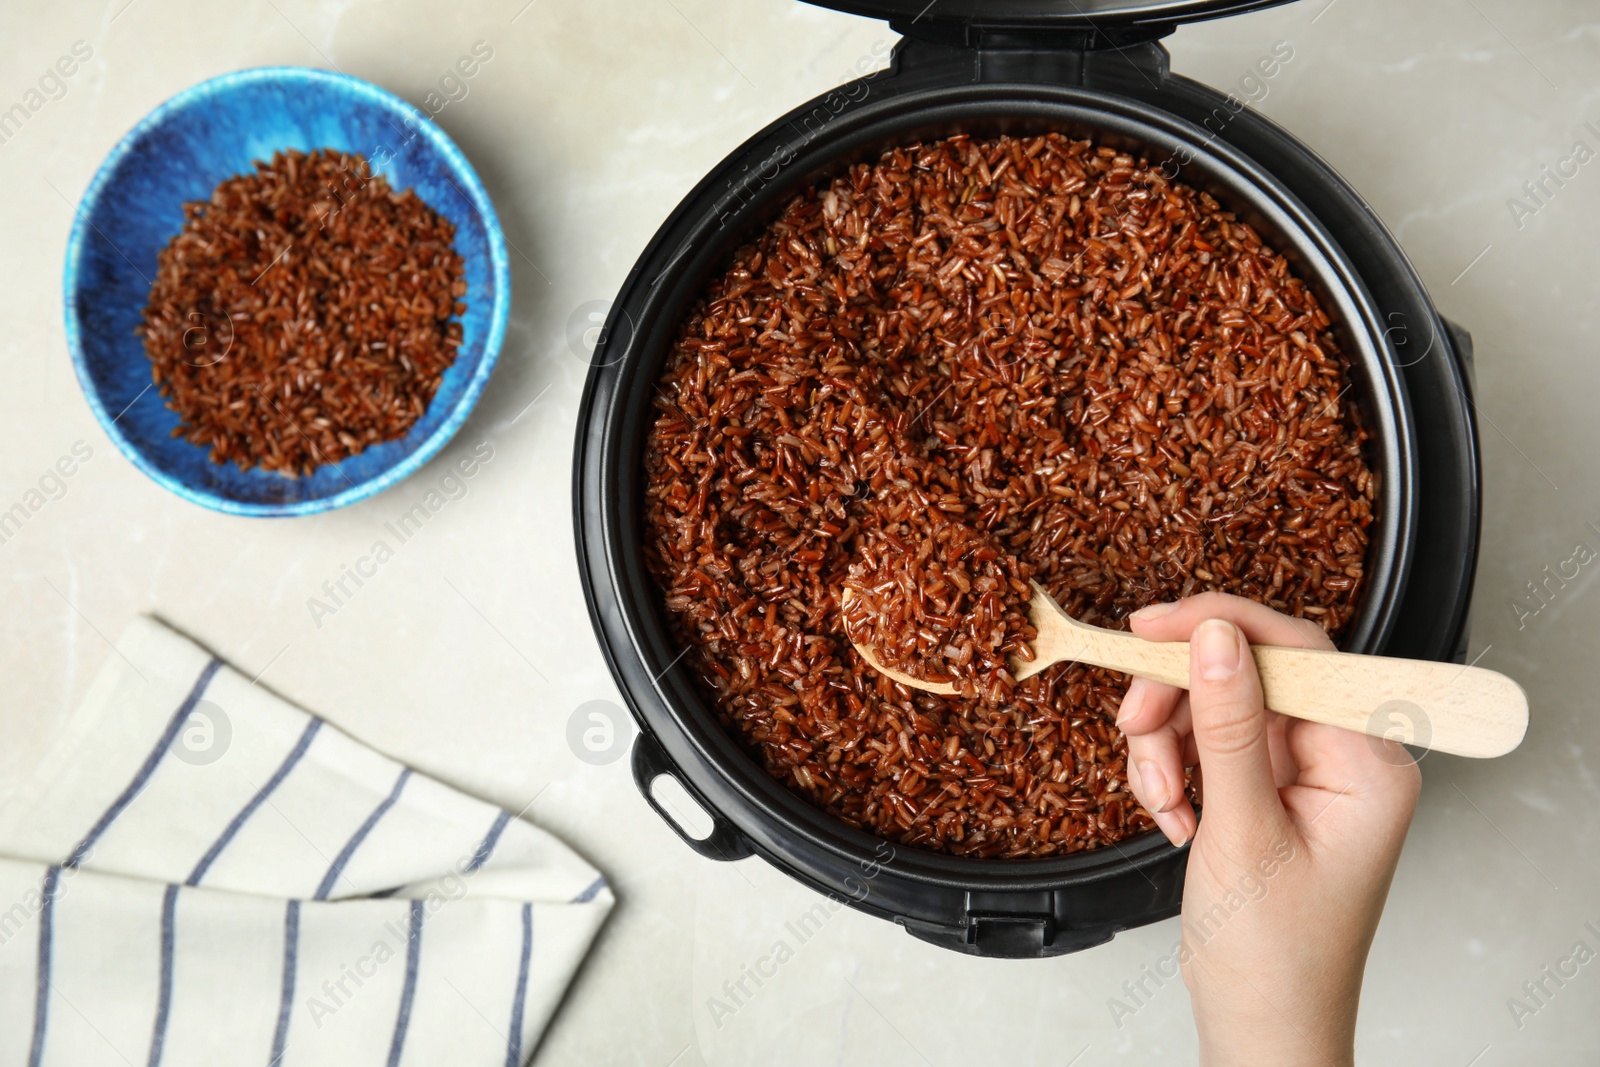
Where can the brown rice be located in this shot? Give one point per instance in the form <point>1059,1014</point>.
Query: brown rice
<point>303,313</point>
<point>1048,342</point>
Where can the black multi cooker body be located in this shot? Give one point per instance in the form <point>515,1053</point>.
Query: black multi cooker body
<point>988,67</point>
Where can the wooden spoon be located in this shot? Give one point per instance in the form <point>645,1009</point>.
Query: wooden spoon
<point>1466,711</point>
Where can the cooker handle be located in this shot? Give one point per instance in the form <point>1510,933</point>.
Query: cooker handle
<point>724,843</point>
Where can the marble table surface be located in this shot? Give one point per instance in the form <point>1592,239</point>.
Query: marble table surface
<point>471,651</point>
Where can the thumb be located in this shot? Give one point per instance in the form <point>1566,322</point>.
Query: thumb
<point>1230,732</point>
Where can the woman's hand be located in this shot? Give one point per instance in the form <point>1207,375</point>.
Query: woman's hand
<point>1303,826</point>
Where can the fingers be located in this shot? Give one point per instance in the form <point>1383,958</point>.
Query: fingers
<point>1147,706</point>
<point>1230,731</point>
<point>1261,625</point>
<point>1158,758</point>
<point>1245,751</point>
<point>1155,720</point>
<point>1179,821</point>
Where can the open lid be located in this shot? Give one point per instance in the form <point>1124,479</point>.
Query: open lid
<point>1091,16</point>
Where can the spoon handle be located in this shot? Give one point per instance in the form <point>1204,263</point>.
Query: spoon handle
<point>1467,711</point>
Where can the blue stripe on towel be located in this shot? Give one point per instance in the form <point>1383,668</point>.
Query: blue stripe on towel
<point>492,838</point>
<point>591,892</point>
<point>41,997</point>
<point>350,846</point>
<point>514,1038</point>
<point>158,1033</point>
<point>291,959</point>
<point>142,779</point>
<point>409,992</point>
<point>480,855</point>
<point>256,801</point>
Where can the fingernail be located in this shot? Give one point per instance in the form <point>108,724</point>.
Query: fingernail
<point>1157,796</point>
<point>1130,702</point>
<point>1154,611</point>
<point>1172,824</point>
<point>1216,645</point>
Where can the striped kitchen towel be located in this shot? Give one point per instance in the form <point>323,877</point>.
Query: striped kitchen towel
<point>202,874</point>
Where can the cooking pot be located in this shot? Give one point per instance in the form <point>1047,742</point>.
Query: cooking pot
<point>991,67</point>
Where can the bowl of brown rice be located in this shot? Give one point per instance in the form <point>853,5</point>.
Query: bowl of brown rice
<point>285,290</point>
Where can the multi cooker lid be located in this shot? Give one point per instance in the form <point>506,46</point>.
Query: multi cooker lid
<point>914,17</point>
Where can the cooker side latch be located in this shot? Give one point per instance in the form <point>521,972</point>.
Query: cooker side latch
<point>1461,345</point>
<point>1009,926</point>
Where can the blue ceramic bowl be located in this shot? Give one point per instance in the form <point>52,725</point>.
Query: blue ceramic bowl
<point>179,152</point>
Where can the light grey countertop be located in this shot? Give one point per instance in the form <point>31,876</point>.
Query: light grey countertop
<point>470,651</point>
